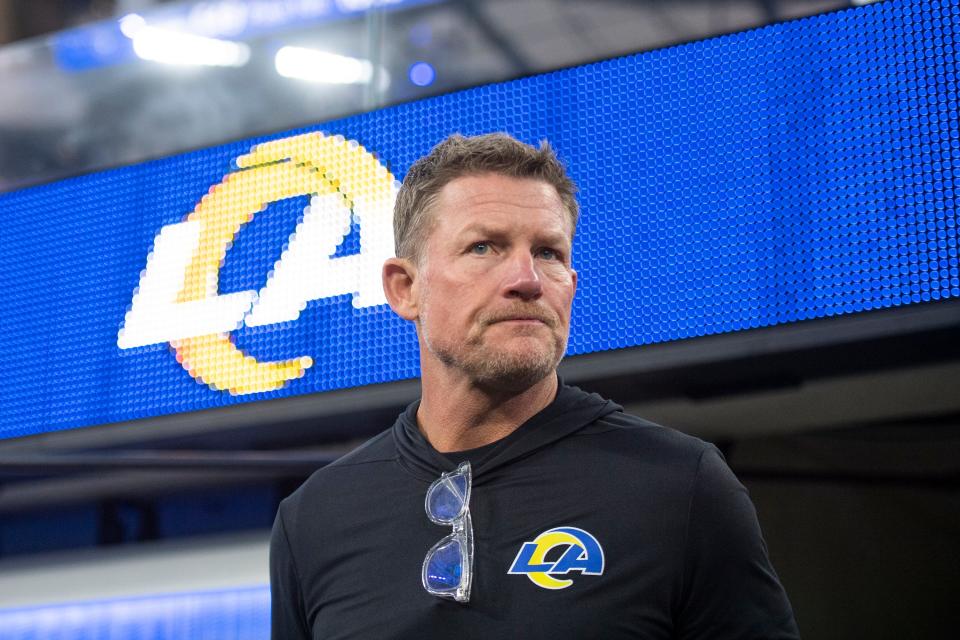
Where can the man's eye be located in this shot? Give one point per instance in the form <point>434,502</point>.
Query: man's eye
<point>548,254</point>
<point>480,248</point>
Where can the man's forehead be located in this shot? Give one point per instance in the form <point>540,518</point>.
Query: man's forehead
<point>474,201</point>
<point>493,228</point>
<point>493,187</point>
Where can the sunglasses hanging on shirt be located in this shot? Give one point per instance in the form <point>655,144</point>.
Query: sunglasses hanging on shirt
<point>448,566</point>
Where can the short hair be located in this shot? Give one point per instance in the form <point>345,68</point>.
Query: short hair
<point>459,156</point>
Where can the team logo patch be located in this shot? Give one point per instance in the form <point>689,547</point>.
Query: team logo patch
<point>579,551</point>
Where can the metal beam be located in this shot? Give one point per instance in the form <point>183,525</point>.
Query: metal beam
<point>492,32</point>
<point>278,463</point>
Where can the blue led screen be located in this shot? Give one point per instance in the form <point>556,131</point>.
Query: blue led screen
<point>233,614</point>
<point>796,171</point>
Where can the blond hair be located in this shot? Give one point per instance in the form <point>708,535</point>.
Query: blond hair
<point>458,156</point>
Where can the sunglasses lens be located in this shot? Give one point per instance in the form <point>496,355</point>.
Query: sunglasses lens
<point>446,498</point>
<point>444,566</point>
<point>448,567</point>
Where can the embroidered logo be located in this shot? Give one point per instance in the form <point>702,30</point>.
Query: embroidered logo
<point>579,551</point>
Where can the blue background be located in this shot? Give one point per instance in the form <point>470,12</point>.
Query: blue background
<point>237,614</point>
<point>796,171</point>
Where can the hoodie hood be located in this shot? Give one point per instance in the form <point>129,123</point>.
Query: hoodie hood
<point>571,410</point>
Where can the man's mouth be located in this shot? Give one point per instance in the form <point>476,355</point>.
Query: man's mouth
<point>522,320</point>
<point>520,317</point>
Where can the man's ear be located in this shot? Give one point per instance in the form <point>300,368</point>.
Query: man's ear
<point>400,286</point>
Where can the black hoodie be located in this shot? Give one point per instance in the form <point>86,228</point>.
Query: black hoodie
<point>675,548</point>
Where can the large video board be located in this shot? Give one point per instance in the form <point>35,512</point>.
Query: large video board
<point>797,171</point>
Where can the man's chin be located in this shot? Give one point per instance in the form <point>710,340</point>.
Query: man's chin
<point>514,370</point>
<point>502,366</point>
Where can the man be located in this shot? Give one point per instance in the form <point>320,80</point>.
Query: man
<point>505,504</point>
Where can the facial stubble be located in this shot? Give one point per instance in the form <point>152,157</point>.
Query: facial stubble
<point>493,365</point>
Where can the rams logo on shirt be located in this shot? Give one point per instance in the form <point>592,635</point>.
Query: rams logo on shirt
<point>580,552</point>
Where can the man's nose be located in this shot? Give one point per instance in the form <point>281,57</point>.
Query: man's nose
<point>523,280</point>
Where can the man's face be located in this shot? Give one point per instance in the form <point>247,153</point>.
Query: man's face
<point>495,280</point>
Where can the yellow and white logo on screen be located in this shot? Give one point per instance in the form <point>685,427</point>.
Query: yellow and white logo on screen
<point>177,300</point>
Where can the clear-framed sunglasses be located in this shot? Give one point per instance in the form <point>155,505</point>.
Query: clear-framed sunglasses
<point>448,567</point>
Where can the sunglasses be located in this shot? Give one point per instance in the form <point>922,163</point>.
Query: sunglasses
<point>448,566</point>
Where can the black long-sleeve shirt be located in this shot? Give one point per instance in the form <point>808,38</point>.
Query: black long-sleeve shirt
<point>682,552</point>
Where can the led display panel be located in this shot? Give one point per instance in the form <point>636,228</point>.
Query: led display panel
<point>796,171</point>
<point>234,614</point>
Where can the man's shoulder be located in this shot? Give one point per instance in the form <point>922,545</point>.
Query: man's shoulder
<point>379,448</point>
<point>633,434</point>
<point>345,470</point>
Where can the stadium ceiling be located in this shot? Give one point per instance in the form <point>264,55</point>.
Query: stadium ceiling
<point>72,106</point>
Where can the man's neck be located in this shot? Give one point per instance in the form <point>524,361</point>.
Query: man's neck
<point>458,415</point>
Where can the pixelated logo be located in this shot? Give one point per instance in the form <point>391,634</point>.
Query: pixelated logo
<point>576,550</point>
<point>177,300</point>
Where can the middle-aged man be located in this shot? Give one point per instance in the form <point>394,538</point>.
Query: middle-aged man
<point>505,504</point>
